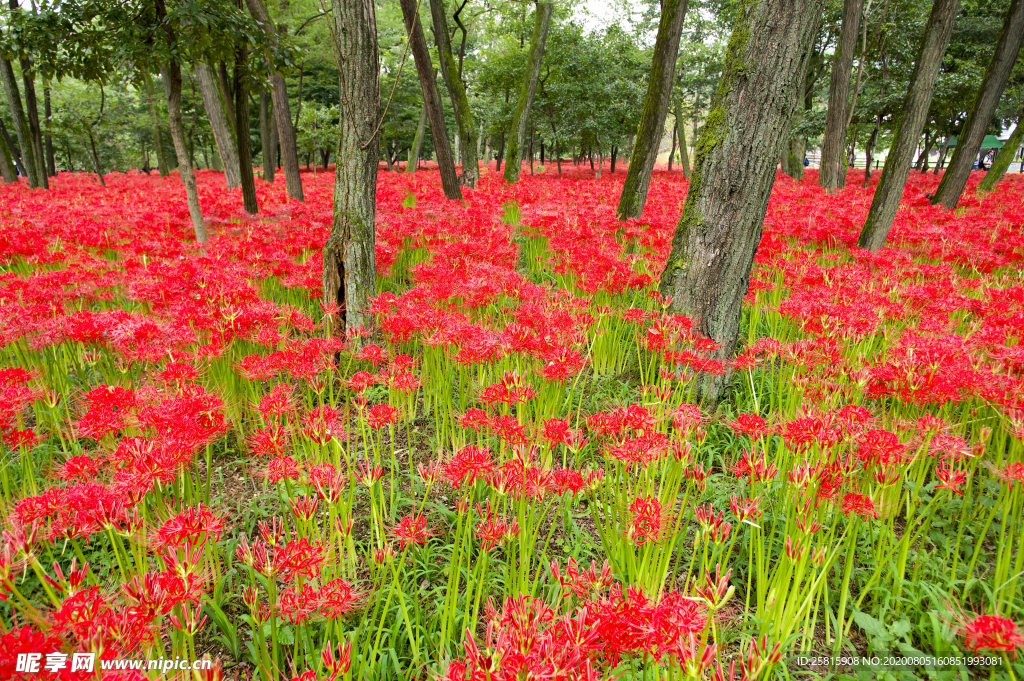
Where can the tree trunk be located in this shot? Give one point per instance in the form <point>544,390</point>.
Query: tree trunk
<point>708,270</point>
<point>652,120</point>
<point>684,154</point>
<point>501,152</point>
<point>154,121</point>
<point>51,162</point>
<point>527,91</point>
<point>95,158</point>
<point>172,80</point>
<point>929,142</point>
<point>7,168</point>
<point>870,151</point>
<point>612,155</point>
<point>19,168</point>
<point>417,142</point>
<point>969,141</point>
<point>911,119</point>
<point>1005,156</point>
<point>223,132</point>
<point>242,127</point>
<point>282,113</point>
<point>832,174</point>
<point>28,156</point>
<point>265,142</point>
<point>349,275</point>
<point>672,151</point>
<point>941,160</point>
<point>431,100</point>
<point>35,137</point>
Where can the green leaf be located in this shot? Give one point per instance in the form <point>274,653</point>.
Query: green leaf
<point>900,628</point>
<point>870,625</point>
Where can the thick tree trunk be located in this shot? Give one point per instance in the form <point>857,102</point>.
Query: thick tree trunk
<point>267,146</point>
<point>242,128</point>
<point>282,113</point>
<point>527,91</point>
<point>612,156</point>
<point>32,111</point>
<point>832,174</point>
<point>431,100</point>
<point>51,162</point>
<point>708,270</point>
<point>12,147</point>
<point>172,78</point>
<point>28,156</point>
<point>7,169</point>
<point>652,120</point>
<point>154,121</point>
<point>911,119</point>
<point>349,276</point>
<point>969,141</point>
<point>1004,158</point>
<point>223,132</point>
<point>417,143</point>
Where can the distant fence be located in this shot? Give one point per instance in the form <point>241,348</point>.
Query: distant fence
<point>814,161</point>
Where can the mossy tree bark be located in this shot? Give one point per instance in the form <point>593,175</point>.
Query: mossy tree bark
<point>527,91</point>
<point>349,276</point>
<point>1005,156</point>
<point>652,120</point>
<point>911,119</point>
<point>431,100</point>
<point>29,160</point>
<point>684,154</point>
<point>282,113</point>
<point>242,128</point>
<point>154,121</point>
<point>7,169</point>
<point>996,77</point>
<point>417,143</point>
<point>460,102</point>
<point>269,149</point>
<point>708,269</point>
<point>832,174</point>
<point>220,124</point>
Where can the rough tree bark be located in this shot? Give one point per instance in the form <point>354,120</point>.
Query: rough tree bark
<point>349,276</point>
<point>708,269</point>
<point>527,91</point>
<point>7,169</point>
<point>28,152</point>
<point>833,158</point>
<point>460,102</point>
<point>265,140</point>
<point>154,121</point>
<point>282,113</point>
<point>223,132</point>
<point>244,144</point>
<point>684,154</point>
<point>431,100</point>
<point>417,143</point>
<point>51,162</point>
<point>652,120</point>
<point>1005,156</point>
<point>969,142</point>
<point>911,119</point>
<point>672,151</point>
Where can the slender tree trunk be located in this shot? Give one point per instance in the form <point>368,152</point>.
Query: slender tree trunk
<point>527,91</point>
<point>923,152</point>
<point>282,113</point>
<point>417,142</point>
<point>28,156</point>
<point>220,124</point>
<point>832,174</point>
<point>31,113</point>
<point>501,152</point>
<point>7,168</point>
<point>940,162</point>
<point>652,120</point>
<point>912,117</point>
<point>431,100</point>
<point>969,142</point>
<point>12,146</point>
<point>242,127</point>
<point>684,154</point>
<point>708,270</point>
<point>172,81</point>
<point>672,151</point>
<point>154,121</point>
<point>95,157</point>
<point>275,140</point>
<point>265,143</point>
<point>1005,156</point>
<point>870,151</point>
<point>558,155</point>
<point>349,275</point>
<point>51,162</point>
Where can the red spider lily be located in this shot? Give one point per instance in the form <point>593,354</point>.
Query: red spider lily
<point>994,633</point>
<point>383,554</point>
<point>698,475</point>
<point>492,531</point>
<point>647,519</point>
<point>304,507</point>
<point>860,505</point>
<point>880,447</point>
<point>715,591</point>
<point>281,468</point>
<point>950,478</point>
<point>193,526</point>
<point>337,663</point>
<point>368,474</point>
<point>757,469</point>
<point>749,424</point>
<point>1013,472</point>
<point>412,530</point>
<point>328,482</point>
<point>298,558</point>
<point>758,657</point>
<point>467,465</point>
<point>583,585</point>
<point>278,402</point>
<point>381,415</point>
<point>744,509</point>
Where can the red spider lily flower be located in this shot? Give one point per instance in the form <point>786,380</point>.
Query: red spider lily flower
<point>193,526</point>
<point>715,591</point>
<point>493,531</point>
<point>695,659</point>
<point>271,530</point>
<point>859,504</point>
<point>642,450</point>
<point>567,481</point>
<point>328,482</point>
<point>336,660</point>
<point>647,519</point>
<point>309,675</point>
<point>749,424</point>
<point>509,429</point>
<point>950,478</point>
<point>744,509</point>
<point>992,632</point>
<point>880,447</point>
<point>1012,473</point>
<point>383,554</point>
<point>467,465</point>
<point>430,471</point>
<point>74,578</point>
<point>373,354</point>
<point>304,507</point>
<point>368,474</point>
<point>281,468</point>
<point>757,657</point>
<point>583,585</point>
<point>278,402</point>
<point>476,419</point>
<point>795,550</point>
<point>755,469</point>
<point>381,415</point>
<point>297,604</point>
<point>698,475</point>
<point>412,530</point>
<point>336,599</point>
<point>80,466</point>
<point>718,533</point>
<point>687,419</point>
<point>299,558</point>
<point>361,380</point>
<point>268,442</point>
<point>322,424</point>
<point>190,623</point>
